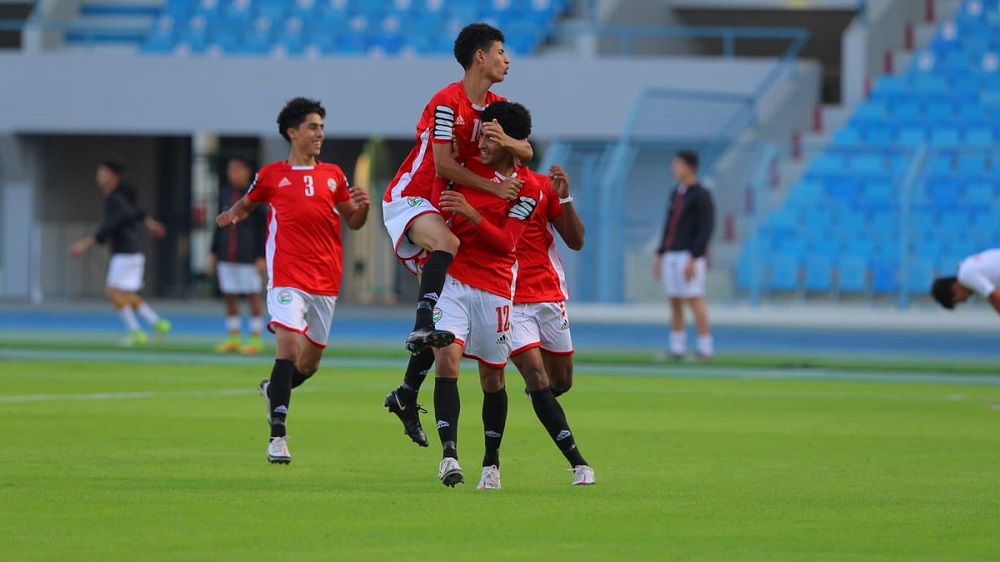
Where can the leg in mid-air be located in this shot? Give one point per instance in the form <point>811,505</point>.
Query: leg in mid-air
<point>447,407</point>
<point>494,422</point>
<point>161,326</point>
<point>256,343</point>
<point>705,348</point>
<point>122,302</point>
<point>232,307</point>
<point>550,413</point>
<point>403,400</point>
<point>678,335</point>
<point>430,232</point>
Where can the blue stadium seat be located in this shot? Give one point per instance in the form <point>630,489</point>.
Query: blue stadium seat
<point>848,136</point>
<point>784,273</point>
<point>885,277</point>
<point>883,135</point>
<point>912,136</point>
<point>919,274</point>
<point>945,137</point>
<point>980,195</point>
<point>867,164</point>
<point>852,275</point>
<point>908,112</point>
<point>978,137</point>
<point>818,276</point>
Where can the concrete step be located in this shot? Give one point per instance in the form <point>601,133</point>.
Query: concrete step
<point>834,117</point>
<point>946,9</point>
<point>901,59</point>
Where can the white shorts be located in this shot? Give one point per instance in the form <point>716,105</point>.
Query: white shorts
<point>544,325</point>
<point>239,278</point>
<point>125,272</point>
<point>480,321</point>
<point>398,216</point>
<point>674,283</point>
<point>302,313</point>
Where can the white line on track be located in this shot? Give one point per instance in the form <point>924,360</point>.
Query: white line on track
<point>124,395</point>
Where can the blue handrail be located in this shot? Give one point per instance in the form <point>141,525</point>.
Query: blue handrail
<point>729,35</point>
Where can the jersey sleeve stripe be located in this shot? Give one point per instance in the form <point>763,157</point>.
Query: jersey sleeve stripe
<point>444,122</point>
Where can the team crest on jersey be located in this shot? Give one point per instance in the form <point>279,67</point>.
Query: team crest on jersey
<point>332,184</point>
<point>285,297</point>
<point>284,182</point>
<point>437,315</point>
<point>414,201</point>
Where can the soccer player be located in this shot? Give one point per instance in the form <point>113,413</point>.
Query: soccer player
<point>978,274</point>
<point>543,347</point>
<point>307,200</point>
<point>447,135</point>
<point>120,229</point>
<point>680,261</point>
<point>237,259</point>
<point>476,303</point>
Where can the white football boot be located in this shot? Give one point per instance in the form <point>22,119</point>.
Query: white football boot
<point>490,480</point>
<point>583,475</point>
<point>277,451</point>
<point>450,473</point>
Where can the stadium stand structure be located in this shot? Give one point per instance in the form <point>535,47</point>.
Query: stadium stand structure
<point>341,27</point>
<point>907,188</point>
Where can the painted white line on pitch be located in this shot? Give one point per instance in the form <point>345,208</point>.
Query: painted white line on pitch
<point>123,396</point>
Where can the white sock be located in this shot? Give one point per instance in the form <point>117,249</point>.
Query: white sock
<point>678,342</point>
<point>148,314</point>
<point>233,324</point>
<point>704,345</point>
<point>128,317</point>
<point>256,325</point>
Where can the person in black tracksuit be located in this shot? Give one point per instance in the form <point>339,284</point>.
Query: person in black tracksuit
<point>119,228</point>
<point>681,256</point>
<point>238,260</point>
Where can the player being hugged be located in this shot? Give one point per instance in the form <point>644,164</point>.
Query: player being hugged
<point>447,138</point>
<point>307,200</point>
<point>543,347</point>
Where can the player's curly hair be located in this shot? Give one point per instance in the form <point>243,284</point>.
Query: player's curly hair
<point>294,114</point>
<point>513,117</point>
<point>943,291</point>
<point>115,164</point>
<point>475,37</point>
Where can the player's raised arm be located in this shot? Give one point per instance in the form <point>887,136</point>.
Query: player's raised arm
<point>503,240</point>
<point>239,211</point>
<point>355,209</point>
<point>569,225</point>
<point>519,148</point>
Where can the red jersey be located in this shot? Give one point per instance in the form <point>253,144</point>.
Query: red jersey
<point>304,249</point>
<point>478,263</point>
<point>540,275</point>
<point>448,116</point>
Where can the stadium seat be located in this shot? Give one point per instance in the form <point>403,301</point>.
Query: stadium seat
<point>919,274</point>
<point>852,275</point>
<point>885,277</point>
<point>784,273</point>
<point>818,276</point>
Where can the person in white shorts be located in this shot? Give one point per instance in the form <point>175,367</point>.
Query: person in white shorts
<point>978,274</point>
<point>681,257</point>
<point>543,347</point>
<point>120,230</point>
<point>308,201</point>
<point>237,259</point>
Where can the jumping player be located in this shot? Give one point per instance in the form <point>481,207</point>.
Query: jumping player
<point>447,135</point>
<point>476,303</point>
<point>120,229</point>
<point>543,347</point>
<point>307,201</point>
<point>978,274</point>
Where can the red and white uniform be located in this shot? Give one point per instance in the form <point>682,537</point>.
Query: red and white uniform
<point>477,301</point>
<point>540,294</point>
<point>304,250</point>
<point>448,118</point>
<point>980,273</point>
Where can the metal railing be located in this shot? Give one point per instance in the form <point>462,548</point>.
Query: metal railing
<point>627,35</point>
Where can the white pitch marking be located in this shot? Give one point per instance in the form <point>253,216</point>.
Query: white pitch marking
<point>123,396</point>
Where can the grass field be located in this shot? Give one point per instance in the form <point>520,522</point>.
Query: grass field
<point>165,461</point>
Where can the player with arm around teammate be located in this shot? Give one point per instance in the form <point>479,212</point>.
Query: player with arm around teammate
<point>308,200</point>
<point>979,274</point>
<point>543,347</point>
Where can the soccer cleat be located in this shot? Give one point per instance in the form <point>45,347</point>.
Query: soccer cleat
<point>583,475</point>
<point>277,451</point>
<point>137,338</point>
<point>161,328</point>
<point>255,346</point>
<point>490,480</point>
<point>428,336</point>
<point>267,400</point>
<point>229,346</point>
<point>450,473</point>
<point>408,412</point>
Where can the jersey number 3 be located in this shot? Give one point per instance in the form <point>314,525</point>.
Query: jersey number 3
<point>503,319</point>
<point>310,190</point>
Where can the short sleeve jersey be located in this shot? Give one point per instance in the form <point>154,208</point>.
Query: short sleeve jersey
<point>981,273</point>
<point>449,117</point>
<point>476,264</point>
<point>304,249</point>
<point>540,275</point>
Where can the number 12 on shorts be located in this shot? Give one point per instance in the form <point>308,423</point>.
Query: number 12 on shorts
<point>503,319</point>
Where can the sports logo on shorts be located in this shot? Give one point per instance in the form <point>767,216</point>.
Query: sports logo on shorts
<point>564,325</point>
<point>437,315</point>
<point>332,184</point>
<point>503,339</point>
<point>414,201</point>
<point>285,297</point>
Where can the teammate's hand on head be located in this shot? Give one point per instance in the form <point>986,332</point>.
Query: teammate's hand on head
<point>560,181</point>
<point>455,202</point>
<point>226,219</point>
<point>493,131</point>
<point>360,196</point>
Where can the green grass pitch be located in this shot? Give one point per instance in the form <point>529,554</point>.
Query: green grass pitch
<point>130,461</point>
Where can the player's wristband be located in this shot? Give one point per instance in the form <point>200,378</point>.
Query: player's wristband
<point>565,200</point>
